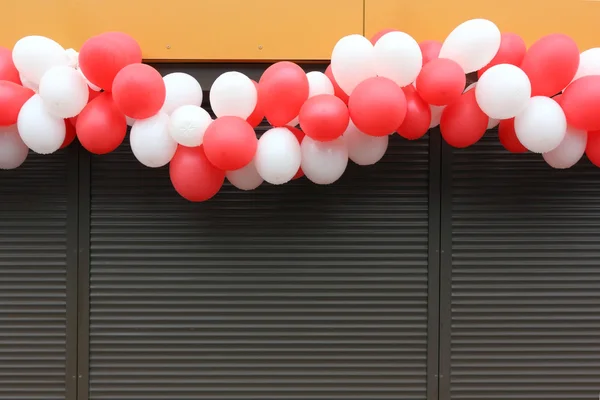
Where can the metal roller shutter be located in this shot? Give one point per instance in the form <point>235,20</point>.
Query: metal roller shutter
<point>525,293</point>
<point>290,292</point>
<point>33,259</point>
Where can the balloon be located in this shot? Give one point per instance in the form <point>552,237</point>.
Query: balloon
<point>364,149</point>
<point>8,71</point>
<point>181,90</point>
<point>188,124</point>
<point>352,61</point>
<point>551,63</point>
<point>258,114</point>
<point>472,44</point>
<point>339,93</point>
<point>508,137</point>
<point>589,63</point>
<point>101,127</point>
<point>592,149</point>
<point>463,123</point>
<point>380,34</point>
<point>151,142</point>
<point>324,162</point>
<point>34,55</point>
<point>319,83</point>
<point>103,56</point>
<point>13,151</point>
<point>278,156</point>
<point>503,91</point>
<point>245,178</point>
<point>430,50</point>
<point>282,89</point>
<point>492,123</point>
<point>398,57</point>
<point>93,88</point>
<point>541,126</point>
<point>300,137</point>
<point>64,91</point>
<point>324,117</point>
<point>441,82</point>
<point>233,94</point>
<point>418,115</point>
<point>581,102</point>
<point>193,176</point>
<point>70,134</point>
<point>41,131</point>
<point>230,143</point>
<point>28,84</point>
<point>139,91</point>
<point>377,106</point>
<point>436,115</point>
<point>130,121</point>
<point>12,98</point>
<point>569,151</point>
<point>512,51</point>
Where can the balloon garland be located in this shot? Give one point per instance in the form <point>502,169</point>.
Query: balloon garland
<point>545,99</point>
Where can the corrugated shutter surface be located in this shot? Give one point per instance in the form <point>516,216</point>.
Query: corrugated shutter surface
<point>525,277</point>
<point>33,248</point>
<point>290,292</point>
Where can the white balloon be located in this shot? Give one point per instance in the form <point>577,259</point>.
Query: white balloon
<point>64,91</point>
<point>318,83</point>
<point>569,151</point>
<point>436,115</point>
<point>542,125</point>
<point>277,156</point>
<point>364,149</point>
<point>352,61</point>
<point>29,85</point>
<point>472,44</point>
<point>503,91</point>
<point>41,131</point>
<point>150,141</point>
<point>73,57</point>
<point>188,124</point>
<point>398,57</point>
<point>130,121</point>
<point>295,122</point>
<point>182,90</point>
<point>90,84</point>
<point>589,63</point>
<point>324,162</point>
<point>492,123</point>
<point>34,55</point>
<point>471,86</point>
<point>233,94</point>
<point>13,151</point>
<point>246,178</point>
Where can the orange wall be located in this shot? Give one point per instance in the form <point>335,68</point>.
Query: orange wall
<point>281,29</point>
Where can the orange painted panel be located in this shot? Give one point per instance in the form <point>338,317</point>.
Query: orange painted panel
<point>434,19</point>
<point>193,29</point>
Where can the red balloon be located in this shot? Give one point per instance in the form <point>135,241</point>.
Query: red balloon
<point>463,123</point>
<point>441,82</point>
<point>103,56</point>
<point>324,117</point>
<point>592,150</point>
<point>508,136</point>
<point>139,91</point>
<point>230,143</point>
<point>551,63</point>
<point>257,115</point>
<point>337,90</point>
<point>512,51</point>
<point>581,103</point>
<point>300,137</point>
<point>377,106</point>
<point>282,90</point>
<point>379,34</point>
<point>8,71</point>
<point>193,176</point>
<point>430,50</point>
<point>12,98</point>
<point>418,115</point>
<point>69,134</point>
<point>101,126</point>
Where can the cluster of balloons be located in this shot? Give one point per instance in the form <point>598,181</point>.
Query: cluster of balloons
<point>543,98</point>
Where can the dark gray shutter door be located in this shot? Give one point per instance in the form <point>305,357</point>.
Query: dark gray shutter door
<point>289,292</point>
<point>33,253</point>
<point>525,277</point>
